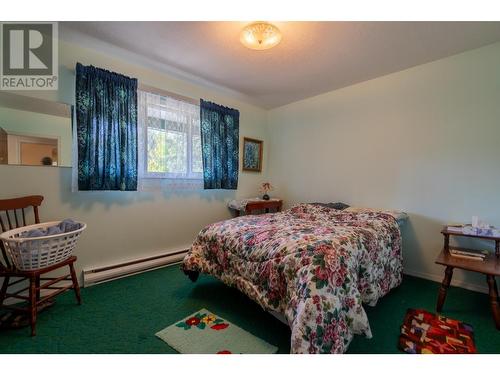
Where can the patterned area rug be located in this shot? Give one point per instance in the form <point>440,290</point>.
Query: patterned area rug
<point>207,333</point>
<point>425,333</point>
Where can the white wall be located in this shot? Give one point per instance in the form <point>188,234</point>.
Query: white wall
<point>425,140</point>
<point>128,225</point>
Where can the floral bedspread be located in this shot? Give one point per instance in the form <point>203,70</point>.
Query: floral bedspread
<point>315,265</point>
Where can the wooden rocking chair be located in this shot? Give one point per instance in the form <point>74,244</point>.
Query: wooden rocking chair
<point>13,214</point>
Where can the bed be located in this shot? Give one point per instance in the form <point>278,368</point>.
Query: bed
<point>313,265</point>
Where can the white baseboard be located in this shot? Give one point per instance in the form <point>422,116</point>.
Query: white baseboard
<point>439,279</point>
<point>94,276</point>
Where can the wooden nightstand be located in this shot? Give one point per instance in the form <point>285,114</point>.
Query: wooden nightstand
<point>490,267</point>
<point>253,205</point>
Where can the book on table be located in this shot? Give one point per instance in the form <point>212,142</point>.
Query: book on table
<point>469,253</point>
<point>457,228</point>
<point>480,259</point>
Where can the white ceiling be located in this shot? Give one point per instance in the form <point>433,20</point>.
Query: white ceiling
<point>313,57</point>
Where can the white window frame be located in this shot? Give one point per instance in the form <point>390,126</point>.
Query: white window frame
<point>189,175</point>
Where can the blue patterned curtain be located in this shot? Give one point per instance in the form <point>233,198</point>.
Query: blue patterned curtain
<point>220,144</point>
<point>106,122</point>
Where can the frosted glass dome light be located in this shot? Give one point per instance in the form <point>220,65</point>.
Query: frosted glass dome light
<point>260,36</point>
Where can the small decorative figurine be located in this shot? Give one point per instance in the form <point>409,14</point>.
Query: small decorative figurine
<point>265,188</point>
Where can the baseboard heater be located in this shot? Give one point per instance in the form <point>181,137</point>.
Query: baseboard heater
<point>116,271</point>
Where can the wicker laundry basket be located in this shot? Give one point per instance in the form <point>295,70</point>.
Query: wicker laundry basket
<point>33,253</point>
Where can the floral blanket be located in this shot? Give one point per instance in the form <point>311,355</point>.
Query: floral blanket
<point>315,265</point>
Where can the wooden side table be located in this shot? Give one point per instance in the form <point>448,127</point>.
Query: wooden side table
<point>249,206</point>
<point>490,267</point>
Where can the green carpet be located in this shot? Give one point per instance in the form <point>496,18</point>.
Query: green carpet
<point>122,316</point>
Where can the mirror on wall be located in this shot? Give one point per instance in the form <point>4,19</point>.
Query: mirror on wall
<point>34,131</point>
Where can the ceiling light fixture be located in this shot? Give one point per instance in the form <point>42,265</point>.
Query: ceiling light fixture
<point>260,36</point>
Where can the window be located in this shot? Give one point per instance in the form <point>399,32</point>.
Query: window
<point>169,138</point>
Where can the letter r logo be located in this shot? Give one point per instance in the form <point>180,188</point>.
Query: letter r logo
<point>27,49</point>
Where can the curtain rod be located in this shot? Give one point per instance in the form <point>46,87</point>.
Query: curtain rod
<point>155,90</point>
<point>162,92</point>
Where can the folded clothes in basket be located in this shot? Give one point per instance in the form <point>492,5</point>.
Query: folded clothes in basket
<point>67,225</point>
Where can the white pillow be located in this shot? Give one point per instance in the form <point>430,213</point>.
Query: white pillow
<point>400,216</point>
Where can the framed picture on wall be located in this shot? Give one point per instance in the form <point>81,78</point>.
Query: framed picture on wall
<point>252,154</point>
